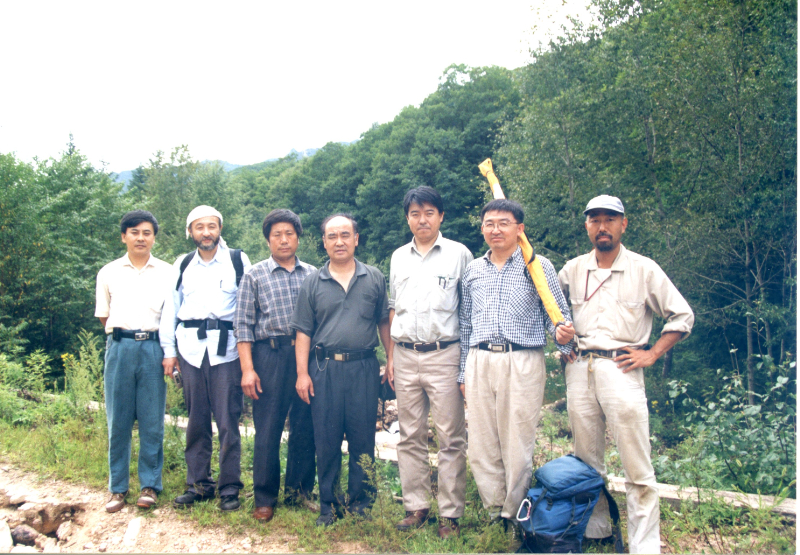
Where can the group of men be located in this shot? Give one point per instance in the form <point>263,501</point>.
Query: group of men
<point>301,342</point>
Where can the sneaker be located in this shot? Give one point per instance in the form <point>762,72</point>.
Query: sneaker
<point>448,527</point>
<point>413,519</point>
<point>116,502</point>
<point>147,498</point>
<point>189,498</point>
<point>229,502</point>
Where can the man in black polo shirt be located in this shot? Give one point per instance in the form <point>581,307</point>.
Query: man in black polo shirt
<point>336,316</point>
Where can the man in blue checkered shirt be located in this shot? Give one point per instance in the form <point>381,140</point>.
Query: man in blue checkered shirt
<point>502,377</point>
<point>267,296</point>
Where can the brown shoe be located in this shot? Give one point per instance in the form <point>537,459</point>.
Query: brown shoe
<point>448,527</point>
<point>116,502</point>
<point>413,519</point>
<point>147,498</point>
<point>264,514</point>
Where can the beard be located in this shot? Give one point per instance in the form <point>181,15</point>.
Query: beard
<point>604,247</point>
<point>211,247</point>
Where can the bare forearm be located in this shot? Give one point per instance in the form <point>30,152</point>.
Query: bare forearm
<point>302,346</point>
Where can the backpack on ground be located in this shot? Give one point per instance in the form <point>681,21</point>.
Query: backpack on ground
<point>236,258</point>
<point>554,515</point>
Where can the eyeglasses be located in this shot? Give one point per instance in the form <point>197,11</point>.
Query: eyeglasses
<point>502,225</point>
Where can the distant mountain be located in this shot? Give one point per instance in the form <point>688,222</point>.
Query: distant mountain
<point>125,176</point>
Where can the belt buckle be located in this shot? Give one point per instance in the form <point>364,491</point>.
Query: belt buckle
<point>414,347</point>
<point>273,343</point>
<point>140,335</point>
<point>340,357</point>
<point>212,324</point>
<point>497,347</point>
<point>293,342</point>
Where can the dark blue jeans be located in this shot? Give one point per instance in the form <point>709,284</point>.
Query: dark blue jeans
<point>135,390</point>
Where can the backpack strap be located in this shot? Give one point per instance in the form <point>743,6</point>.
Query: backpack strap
<point>619,547</point>
<point>184,265</point>
<point>236,258</point>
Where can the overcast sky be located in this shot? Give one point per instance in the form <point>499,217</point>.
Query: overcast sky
<point>236,81</point>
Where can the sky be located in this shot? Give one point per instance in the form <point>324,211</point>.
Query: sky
<point>242,81</point>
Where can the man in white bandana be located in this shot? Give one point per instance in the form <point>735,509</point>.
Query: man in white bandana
<point>199,346</point>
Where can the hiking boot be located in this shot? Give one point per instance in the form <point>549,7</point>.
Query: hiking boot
<point>147,498</point>
<point>116,502</point>
<point>413,519</point>
<point>448,527</point>
<point>229,502</point>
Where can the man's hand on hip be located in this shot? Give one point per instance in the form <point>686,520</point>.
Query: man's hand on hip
<point>635,358</point>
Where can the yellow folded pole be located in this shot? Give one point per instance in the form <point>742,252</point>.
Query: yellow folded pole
<point>533,263</point>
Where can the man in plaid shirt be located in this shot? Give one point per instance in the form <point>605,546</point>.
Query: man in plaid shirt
<point>267,295</point>
<point>502,377</point>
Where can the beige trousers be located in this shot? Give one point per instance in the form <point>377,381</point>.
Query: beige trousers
<point>598,393</point>
<point>427,382</point>
<point>504,399</point>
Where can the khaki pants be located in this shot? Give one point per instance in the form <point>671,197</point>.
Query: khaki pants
<point>598,393</point>
<point>504,400</point>
<point>427,381</point>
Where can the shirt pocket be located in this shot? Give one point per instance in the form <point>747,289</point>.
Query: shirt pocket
<point>578,307</point>
<point>367,308</point>
<point>400,286</point>
<point>445,299</point>
<point>630,317</point>
<point>520,303</point>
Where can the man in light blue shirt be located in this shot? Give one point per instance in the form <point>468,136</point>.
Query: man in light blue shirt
<point>197,338</point>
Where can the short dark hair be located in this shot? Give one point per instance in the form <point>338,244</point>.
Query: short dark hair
<point>339,214</point>
<point>281,215</point>
<point>135,217</point>
<point>505,205</point>
<point>423,195</point>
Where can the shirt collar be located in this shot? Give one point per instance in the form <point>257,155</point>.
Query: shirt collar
<point>437,243</point>
<point>619,262</point>
<point>516,255</point>
<point>127,261</point>
<point>324,272</point>
<point>218,256</point>
<point>272,264</point>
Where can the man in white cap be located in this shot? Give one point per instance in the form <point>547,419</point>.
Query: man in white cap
<point>614,294</point>
<point>199,347</point>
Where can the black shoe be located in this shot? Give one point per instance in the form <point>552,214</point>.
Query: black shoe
<point>326,520</point>
<point>189,498</point>
<point>229,502</point>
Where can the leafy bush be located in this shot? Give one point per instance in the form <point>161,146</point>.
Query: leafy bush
<point>730,443</point>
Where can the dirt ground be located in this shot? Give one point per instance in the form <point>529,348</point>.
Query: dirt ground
<point>48,505</point>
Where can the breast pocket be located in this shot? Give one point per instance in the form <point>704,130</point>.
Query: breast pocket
<point>445,298</point>
<point>630,320</point>
<point>521,304</point>
<point>367,309</point>
<point>400,294</point>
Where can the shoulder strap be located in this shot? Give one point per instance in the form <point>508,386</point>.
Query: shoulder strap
<point>236,258</point>
<point>184,264</point>
<point>619,547</point>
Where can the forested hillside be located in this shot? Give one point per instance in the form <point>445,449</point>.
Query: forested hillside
<point>685,109</point>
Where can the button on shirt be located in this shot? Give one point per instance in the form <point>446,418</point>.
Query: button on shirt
<point>502,305</point>
<point>267,295</point>
<point>130,298</point>
<point>208,290</point>
<point>342,320</point>
<point>614,308</point>
<point>424,291</point>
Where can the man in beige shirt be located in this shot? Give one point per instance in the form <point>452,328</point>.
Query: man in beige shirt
<point>130,295</point>
<point>423,311</point>
<point>614,294</point>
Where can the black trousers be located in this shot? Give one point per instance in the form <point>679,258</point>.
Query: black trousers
<point>345,403</point>
<point>277,371</point>
<point>213,390</point>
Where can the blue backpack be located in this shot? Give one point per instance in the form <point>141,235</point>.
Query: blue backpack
<point>554,515</point>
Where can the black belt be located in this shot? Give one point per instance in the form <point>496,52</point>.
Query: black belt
<point>138,335</point>
<point>343,356</point>
<point>278,341</point>
<point>427,347</point>
<point>502,347</point>
<point>212,324</point>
